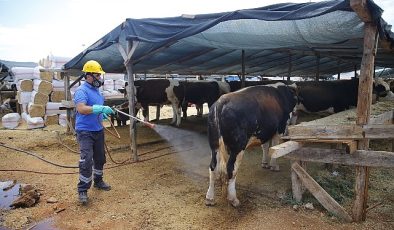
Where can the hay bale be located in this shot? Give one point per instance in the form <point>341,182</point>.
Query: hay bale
<point>51,119</point>
<point>39,98</point>
<point>41,86</point>
<point>36,110</point>
<point>25,85</point>
<point>46,76</point>
<point>58,96</point>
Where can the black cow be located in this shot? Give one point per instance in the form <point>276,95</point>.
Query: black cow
<point>198,93</point>
<point>332,96</point>
<point>260,111</point>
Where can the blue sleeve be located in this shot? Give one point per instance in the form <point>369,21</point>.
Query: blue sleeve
<point>80,97</point>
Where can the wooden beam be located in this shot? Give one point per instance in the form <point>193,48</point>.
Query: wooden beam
<point>339,156</point>
<point>360,7</point>
<point>284,148</point>
<point>379,131</point>
<point>325,132</point>
<point>131,99</point>
<point>364,103</point>
<point>384,118</point>
<point>351,145</point>
<point>320,194</point>
<point>296,184</point>
<point>340,132</point>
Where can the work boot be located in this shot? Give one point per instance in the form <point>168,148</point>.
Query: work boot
<point>83,197</point>
<point>102,185</point>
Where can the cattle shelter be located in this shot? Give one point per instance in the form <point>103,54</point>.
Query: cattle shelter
<point>307,39</point>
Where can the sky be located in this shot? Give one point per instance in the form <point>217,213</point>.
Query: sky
<point>32,30</point>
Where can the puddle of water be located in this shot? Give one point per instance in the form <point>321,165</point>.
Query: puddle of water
<point>47,224</point>
<point>8,196</point>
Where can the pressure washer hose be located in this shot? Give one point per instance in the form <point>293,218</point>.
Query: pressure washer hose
<point>150,125</point>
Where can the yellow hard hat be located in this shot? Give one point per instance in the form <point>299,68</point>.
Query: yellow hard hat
<point>93,66</point>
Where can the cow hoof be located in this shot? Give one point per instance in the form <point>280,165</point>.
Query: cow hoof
<point>265,166</point>
<point>209,202</point>
<point>235,203</point>
<point>275,168</point>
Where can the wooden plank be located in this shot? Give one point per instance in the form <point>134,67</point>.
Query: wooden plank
<point>320,194</point>
<point>339,156</point>
<point>340,132</point>
<point>296,184</point>
<point>325,132</point>
<point>284,148</point>
<point>351,145</point>
<point>379,131</point>
<point>384,118</point>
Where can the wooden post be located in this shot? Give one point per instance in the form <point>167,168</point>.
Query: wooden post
<point>133,123</point>
<point>339,70</point>
<point>243,69</point>
<point>317,66</point>
<point>157,112</point>
<point>296,184</point>
<point>319,193</point>
<point>355,71</point>
<point>290,67</point>
<point>67,95</point>
<point>363,113</point>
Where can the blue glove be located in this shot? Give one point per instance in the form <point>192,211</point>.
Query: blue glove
<point>105,117</point>
<point>97,109</point>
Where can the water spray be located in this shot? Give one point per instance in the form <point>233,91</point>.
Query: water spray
<point>150,125</point>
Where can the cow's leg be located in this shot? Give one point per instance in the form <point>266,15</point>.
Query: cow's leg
<point>178,115</point>
<point>199,110</point>
<point>184,110</point>
<point>233,164</point>
<point>174,113</point>
<point>145,112</point>
<point>273,164</point>
<point>264,162</point>
<point>213,170</point>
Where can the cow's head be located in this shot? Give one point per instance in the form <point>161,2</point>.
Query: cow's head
<point>126,89</point>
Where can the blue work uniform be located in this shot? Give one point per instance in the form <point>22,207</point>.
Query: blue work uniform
<point>90,136</point>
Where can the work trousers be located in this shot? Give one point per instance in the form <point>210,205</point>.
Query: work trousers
<point>92,160</point>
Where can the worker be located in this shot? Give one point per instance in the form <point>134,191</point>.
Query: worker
<point>90,134</point>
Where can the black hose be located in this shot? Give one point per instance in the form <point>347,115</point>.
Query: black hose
<point>36,156</point>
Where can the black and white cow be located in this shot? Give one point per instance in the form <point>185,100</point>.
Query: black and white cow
<point>260,111</point>
<point>159,92</point>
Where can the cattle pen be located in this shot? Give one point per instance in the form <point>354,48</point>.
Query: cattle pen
<point>193,52</point>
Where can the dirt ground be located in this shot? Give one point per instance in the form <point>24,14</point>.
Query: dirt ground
<point>166,188</point>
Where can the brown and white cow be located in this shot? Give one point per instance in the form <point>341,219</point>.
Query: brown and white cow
<point>260,111</point>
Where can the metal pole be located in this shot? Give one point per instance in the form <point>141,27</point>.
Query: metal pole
<point>243,69</point>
